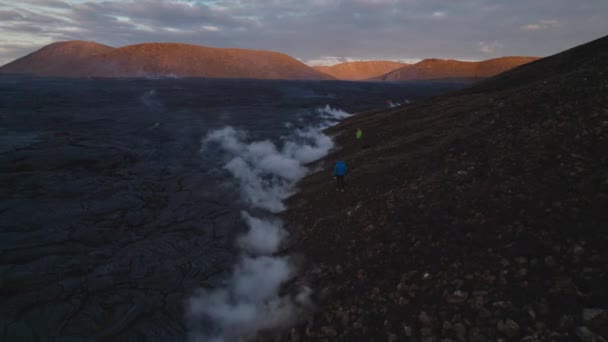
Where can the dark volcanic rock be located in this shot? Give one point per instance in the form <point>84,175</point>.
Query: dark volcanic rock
<point>483,209</point>
<point>110,215</point>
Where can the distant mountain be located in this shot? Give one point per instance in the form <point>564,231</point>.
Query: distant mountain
<point>87,59</point>
<point>360,70</point>
<point>429,69</point>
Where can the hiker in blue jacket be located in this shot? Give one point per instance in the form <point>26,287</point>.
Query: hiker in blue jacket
<point>339,172</point>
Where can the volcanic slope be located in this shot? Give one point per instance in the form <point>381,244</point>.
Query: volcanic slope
<point>478,215</point>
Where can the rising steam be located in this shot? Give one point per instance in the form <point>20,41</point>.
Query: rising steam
<point>250,302</point>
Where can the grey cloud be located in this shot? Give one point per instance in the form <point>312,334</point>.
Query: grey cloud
<point>362,29</point>
<point>156,13</point>
<point>32,17</point>
<point>10,15</point>
<point>47,3</point>
<point>21,27</point>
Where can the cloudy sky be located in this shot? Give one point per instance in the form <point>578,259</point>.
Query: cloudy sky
<point>315,31</point>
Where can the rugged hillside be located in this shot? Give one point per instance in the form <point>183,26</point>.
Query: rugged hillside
<point>446,69</point>
<point>479,215</point>
<point>360,70</point>
<point>82,59</point>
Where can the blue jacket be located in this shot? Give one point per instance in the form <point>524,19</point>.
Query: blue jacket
<point>340,168</point>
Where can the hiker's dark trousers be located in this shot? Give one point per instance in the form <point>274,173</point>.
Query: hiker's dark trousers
<point>340,182</point>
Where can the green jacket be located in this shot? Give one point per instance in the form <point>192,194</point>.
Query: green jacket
<point>359,134</point>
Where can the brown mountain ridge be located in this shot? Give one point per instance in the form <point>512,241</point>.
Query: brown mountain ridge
<point>434,69</point>
<point>87,59</point>
<point>360,70</point>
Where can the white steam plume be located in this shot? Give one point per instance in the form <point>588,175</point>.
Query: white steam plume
<point>332,115</point>
<point>250,301</point>
<point>263,238</point>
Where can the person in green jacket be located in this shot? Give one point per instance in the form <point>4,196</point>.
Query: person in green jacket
<point>359,137</point>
